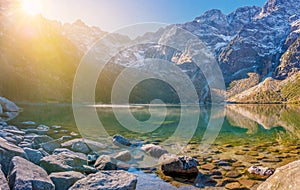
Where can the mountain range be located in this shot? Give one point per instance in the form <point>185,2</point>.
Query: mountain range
<point>257,50</point>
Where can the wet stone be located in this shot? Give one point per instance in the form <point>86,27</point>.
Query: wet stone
<point>283,156</point>
<point>215,172</point>
<point>227,145</point>
<point>253,162</point>
<point>230,160</point>
<point>233,174</point>
<point>216,176</point>
<point>234,185</point>
<point>208,166</point>
<point>238,164</point>
<point>204,180</point>
<point>227,168</point>
<point>271,160</point>
<point>246,183</point>
<point>240,153</point>
<point>223,163</point>
<point>252,153</point>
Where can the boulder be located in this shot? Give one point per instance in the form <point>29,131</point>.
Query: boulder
<point>64,180</point>
<point>94,145</point>
<point>26,175</point>
<point>123,156</point>
<point>33,155</point>
<point>77,145</point>
<point>108,180</point>
<point>1,110</point>
<point>3,181</point>
<point>259,172</point>
<point>285,177</point>
<point>119,140</point>
<point>106,162</point>
<point>8,106</point>
<point>203,181</point>
<point>7,152</point>
<point>28,123</point>
<point>40,130</point>
<point>50,146</point>
<point>173,165</point>
<point>37,140</point>
<point>64,161</point>
<point>154,150</point>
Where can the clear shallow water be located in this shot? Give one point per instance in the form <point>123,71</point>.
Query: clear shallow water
<point>252,123</point>
<point>250,134</point>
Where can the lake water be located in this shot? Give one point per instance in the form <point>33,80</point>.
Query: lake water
<point>250,134</point>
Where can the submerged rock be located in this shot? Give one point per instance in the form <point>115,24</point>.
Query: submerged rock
<point>108,180</point>
<point>77,145</point>
<point>285,177</point>
<point>83,145</point>
<point>37,140</point>
<point>26,175</point>
<point>259,172</point>
<point>64,180</point>
<point>119,140</point>
<point>204,180</point>
<point>106,162</point>
<point>154,150</point>
<point>173,165</point>
<point>123,156</point>
<point>28,123</point>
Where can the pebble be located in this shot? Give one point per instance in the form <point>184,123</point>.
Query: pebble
<point>271,160</point>
<point>208,166</point>
<point>247,183</point>
<point>234,185</point>
<point>233,174</point>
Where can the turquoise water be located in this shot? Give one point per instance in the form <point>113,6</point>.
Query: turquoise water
<point>227,124</point>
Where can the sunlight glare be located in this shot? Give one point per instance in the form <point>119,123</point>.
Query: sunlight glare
<point>32,7</point>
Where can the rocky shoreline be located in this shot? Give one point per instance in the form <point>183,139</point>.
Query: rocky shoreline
<point>30,159</point>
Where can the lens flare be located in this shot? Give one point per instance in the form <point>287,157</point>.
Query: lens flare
<point>32,7</point>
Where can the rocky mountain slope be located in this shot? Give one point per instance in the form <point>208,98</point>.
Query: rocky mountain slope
<point>257,49</point>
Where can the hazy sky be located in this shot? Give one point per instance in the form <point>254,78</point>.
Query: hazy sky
<point>110,15</point>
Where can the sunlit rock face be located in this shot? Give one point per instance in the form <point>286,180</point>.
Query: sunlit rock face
<point>263,41</point>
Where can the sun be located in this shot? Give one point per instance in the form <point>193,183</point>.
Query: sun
<point>32,7</point>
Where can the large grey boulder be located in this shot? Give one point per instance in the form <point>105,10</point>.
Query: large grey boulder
<point>83,145</point>
<point>8,106</point>
<point>106,162</point>
<point>34,156</point>
<point>64,180</point>
<point>108,180</point>
<point>50,146</point>
<point>173,165</point>
<point>26,175</point>
<point>77,145</point>
<point>154,150</point>
<point>123,156</point>
<point>285,177</point>
<point>64,161</point>
<point>3,181</point>
<point>40,139</point>
<point>7,152</point>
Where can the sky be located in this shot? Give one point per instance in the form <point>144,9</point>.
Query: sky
<point>110,15</point>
